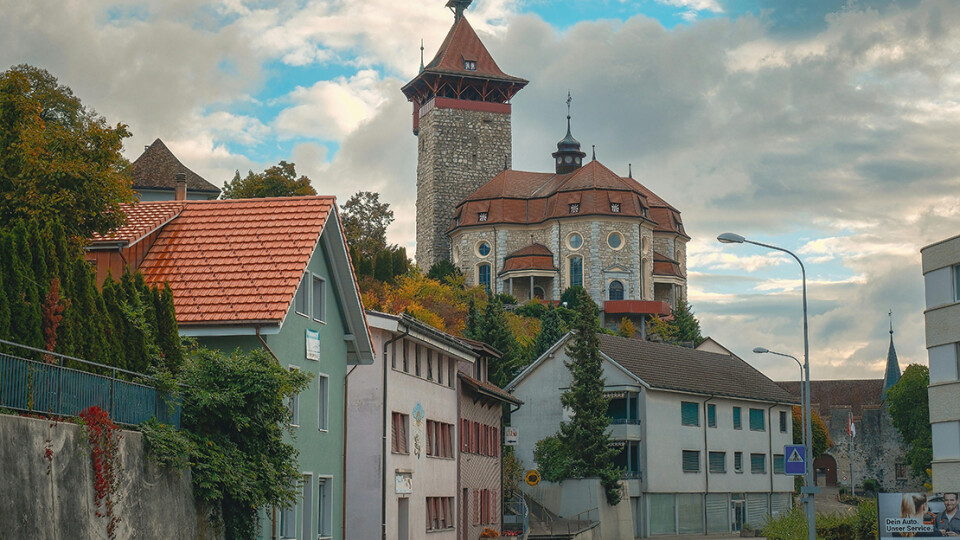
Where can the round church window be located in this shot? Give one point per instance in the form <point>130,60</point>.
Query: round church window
<point>615,240</point>
<point>483,248</point>
<point>575,241</point>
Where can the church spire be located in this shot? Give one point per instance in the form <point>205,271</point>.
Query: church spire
<point>568,154</point>
<point>458,7</point>
<point>892,373</point>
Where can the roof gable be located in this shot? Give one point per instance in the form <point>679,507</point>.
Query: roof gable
<point>156,168</point>
<point>462,44</point>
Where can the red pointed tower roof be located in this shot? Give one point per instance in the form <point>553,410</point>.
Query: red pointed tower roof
<point>461,46</point>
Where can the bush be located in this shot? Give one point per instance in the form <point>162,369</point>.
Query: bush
<point>861,525</point>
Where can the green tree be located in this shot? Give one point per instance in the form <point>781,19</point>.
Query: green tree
<point>551,330</point>
<point>494,331</point>
<point>442,269</point>
<point>821,435</point>
<point>383,266</point>
<point>584,438</point>
<point>688,327</point>
<point>910,412</point>
<point>277,181</point>
<point>57,159</point>
<point>570,297</point>
<point>365,220</point>
<point>235,411</point>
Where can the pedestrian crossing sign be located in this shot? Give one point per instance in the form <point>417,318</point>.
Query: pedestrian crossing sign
<point>795,462</point>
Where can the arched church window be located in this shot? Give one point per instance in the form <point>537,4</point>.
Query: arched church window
<point>576,271</point>
<point>616,290</point>
<point>483,275</point>
<point>538,293</point>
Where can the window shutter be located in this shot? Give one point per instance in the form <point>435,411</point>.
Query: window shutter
<point>464,432</point>
<point>494,506</point>
<point>483,440</point>
<point>394,444</point>
<point>496,442</point>
<point>403,432</point>
<point>476,507</point>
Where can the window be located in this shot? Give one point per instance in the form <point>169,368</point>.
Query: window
<point>439,441</point>
<point>738,461</point>
<point>300,301</point>
<point>406,363</point>
<point>737,420</point>
<point>718,462</point>
<point>615,240</point>
<point>483,248</point>
<point>324,508</point>
<point>711,415</point>
<point>758,463</point>
<point>470,65</point>
<point>288,522</point>
<point>689,413</point>
<point>483,275</point>
<point>783,421</point>
<point>691,461</point>
<point>451,366</point>
<point>401,426</point>
<point>616,290</point>
<point>576,271</point>
<point>319,304</point>
<point>574,208</point>
<point>756,420</point>
<point>574,241</point>
<point>615,207</point>
<point>439,368</point>
<point>482,216</point>
<point>429,365</point>
<point>956,283</point>
<point>416,359</point>
<point>322,402</point>
<point>439,513</point>
<point>778,464</point>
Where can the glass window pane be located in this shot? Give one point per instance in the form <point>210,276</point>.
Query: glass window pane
<point>737,420</point>
<point>616,290</point>
<point>318,299</point>
<point>576,272</point>
<point>758,463</point>
<point>711,415</point>
<point>689,413</point>
<point>484,275</point>
<point>322,402</point>
<point>691,461</point>
<point>778,464</point>
<point>718,462</point>
<point>756,420</point>
<point>690,511</point>
<point>662,514</point>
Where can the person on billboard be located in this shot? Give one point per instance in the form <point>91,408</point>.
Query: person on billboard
<point>914,505</point>
<point>948,521</point>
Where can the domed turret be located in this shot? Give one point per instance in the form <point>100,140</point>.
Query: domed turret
<point>568,155</point>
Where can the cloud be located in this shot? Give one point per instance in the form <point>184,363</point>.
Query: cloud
<point>695,5</point>
<point>332,109</point>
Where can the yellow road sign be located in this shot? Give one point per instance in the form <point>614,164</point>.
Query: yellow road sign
<point>532,477</point>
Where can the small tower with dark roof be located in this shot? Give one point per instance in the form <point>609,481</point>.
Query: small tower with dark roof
<point>461,117</point>
<point>892,373</point>
<point>568,155</point>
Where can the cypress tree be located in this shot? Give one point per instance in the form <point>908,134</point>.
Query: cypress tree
<point>86,317</point>
<point>4,311</point>
<point>114,322</point>
<point>472,327</point>
<point>551,330</point>
<point>383,267</point>
<point>688,327</point>
<point>135,345</point>
<point>497,334</point>
<point>26,324</point>
<point>400,262</point>
<point>38,258</point>
<point>585,436</point>
<point>168,336</point>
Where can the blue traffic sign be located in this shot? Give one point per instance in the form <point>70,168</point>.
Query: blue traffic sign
<point>793,459</point>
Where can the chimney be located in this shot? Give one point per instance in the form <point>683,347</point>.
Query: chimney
<point>180,191</point>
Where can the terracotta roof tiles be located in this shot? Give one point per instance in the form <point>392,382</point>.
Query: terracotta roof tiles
<point>532,257</point>
<point>142,219</point>
<point>462,44</point>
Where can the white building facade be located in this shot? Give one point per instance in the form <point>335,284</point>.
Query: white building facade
<point>941,277</point>
<point>702,434</point>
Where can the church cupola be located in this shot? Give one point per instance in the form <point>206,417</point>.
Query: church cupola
<point>568,156</point>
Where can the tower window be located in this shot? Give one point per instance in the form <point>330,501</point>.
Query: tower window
<point>482,216</point>
<point>576,271</point>
<point>574,208</point>
<point>470,65</point>
<point>483,276</point>
<point>615,207</point>
<point>616,290</point>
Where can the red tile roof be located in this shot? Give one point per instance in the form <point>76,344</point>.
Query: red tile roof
<point>530,197</point>
<point>489,389</point>
<point>665,266</point>
<point>532,257</point>
<point>237,261</point>
<point>827,395</point>
<point>142,219</point>
<point>463,44</point>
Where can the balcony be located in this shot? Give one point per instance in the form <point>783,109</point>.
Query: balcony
<point>625,430</point>
<point>636,307</point>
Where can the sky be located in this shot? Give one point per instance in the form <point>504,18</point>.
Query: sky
<point>830,128</point>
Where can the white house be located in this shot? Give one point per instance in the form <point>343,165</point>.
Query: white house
<point>702,433</point>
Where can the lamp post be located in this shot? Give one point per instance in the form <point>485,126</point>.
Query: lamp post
<point>809,489</point>
<point>803,430</point>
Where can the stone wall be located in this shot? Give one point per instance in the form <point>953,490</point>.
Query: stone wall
<point>877,450</point>
<point>459,151</point>
<point>53,498</point>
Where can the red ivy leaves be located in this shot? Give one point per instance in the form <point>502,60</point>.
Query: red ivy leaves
<point>104,438</point>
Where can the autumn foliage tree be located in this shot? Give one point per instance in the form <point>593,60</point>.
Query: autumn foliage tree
<point>57,158</point>
<point>277,181</point>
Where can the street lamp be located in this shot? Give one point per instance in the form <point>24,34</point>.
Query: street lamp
<point>764,350</point>
<point>809,489</point>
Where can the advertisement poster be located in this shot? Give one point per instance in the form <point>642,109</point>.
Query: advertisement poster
<point>907,515</point>
<point>313,345</point>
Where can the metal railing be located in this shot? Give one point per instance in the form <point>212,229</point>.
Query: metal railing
<point>622,421</point>
<point>516,517</point>
<point>51,387</point>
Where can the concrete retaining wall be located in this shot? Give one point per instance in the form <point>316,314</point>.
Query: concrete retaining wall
<point>52,498</point>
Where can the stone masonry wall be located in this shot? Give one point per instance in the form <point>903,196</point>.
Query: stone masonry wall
<point>459,151</point>
<point>53,498</point>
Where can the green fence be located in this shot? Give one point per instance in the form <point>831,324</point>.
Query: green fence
<point>63,386</point>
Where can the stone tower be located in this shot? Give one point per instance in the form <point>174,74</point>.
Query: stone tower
<point>461,117</point>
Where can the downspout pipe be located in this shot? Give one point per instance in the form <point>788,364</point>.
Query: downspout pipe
<point>770,445</point>
<point>383,442</point>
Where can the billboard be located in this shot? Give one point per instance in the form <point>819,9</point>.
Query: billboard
<point>903,515</point>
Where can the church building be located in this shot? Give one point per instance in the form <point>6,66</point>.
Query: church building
<point>531,234</point>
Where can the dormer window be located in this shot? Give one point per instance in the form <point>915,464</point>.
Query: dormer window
<point>482,216</point>
<point>470,65</point>
<point>615,207</point>
<point>574,208</point>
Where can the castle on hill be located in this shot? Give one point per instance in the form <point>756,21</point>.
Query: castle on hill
<point>531,234</point>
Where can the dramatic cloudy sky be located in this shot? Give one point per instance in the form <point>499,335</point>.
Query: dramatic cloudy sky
<point>828,127</point>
